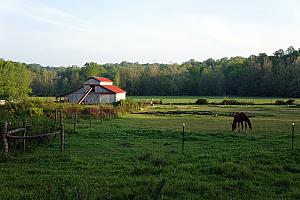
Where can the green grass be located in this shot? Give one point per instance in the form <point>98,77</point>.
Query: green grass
<point>192,99</point>
<point>138,156</point>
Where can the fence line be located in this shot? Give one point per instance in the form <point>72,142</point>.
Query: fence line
<point>15,131</point>
<point>32,136</point>
<point>8,134</point>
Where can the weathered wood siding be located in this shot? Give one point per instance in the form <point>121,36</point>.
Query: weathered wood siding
<point>92,98</point>
<point>100,89</point>
<point>92,81</point>
<point>95,98</point>
<point>76,95</point>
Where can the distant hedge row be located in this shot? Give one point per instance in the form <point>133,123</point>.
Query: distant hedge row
<point>236,102</point>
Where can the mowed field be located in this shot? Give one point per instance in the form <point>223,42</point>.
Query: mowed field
<point>139,156</point>
<point>211,99</point>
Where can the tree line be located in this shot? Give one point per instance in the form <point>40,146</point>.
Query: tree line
<point>257,75</point>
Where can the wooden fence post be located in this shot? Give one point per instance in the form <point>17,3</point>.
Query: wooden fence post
<point>75,122</point>
<point>101,114</point>
<point>4,138</point>
<point>293,130</point>
<point>24,134</point>
<point>62,133</point>
<point>90,117</point>
<point>55,119</point>
<point>183,125</point>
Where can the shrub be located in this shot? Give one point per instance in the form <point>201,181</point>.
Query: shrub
<point>287,102</point>
<point>280,102</point>
<point>235,102</point>
<point>290,101</point>
<point>125,106</point>
<point>201,102</point>
<point>230,102</point>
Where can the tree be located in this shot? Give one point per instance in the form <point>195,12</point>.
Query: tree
<point>279,53</point>
<point>14,80</point>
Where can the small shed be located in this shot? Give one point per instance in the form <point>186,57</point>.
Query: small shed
<point>95,90</point>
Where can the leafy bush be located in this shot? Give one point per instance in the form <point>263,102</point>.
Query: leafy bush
<point>21,110</point>
<point>230,102</point>
<point>125,106</point>
<point>280,102</point>
<point>287,102</point>
<point>290,101</point>
<point>235,102</point>
<point>201,102</point>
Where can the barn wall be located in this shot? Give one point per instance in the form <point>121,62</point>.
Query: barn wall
<point>106,83</point>
<point>76,95</point>
<point>92,98</point>
<point>95,98</point>
<point>86,87</point>
<point>108,98</point>
<point>79,91</point>
<point>100,89</point>
<point>120,96</point>
<point>92,81</point>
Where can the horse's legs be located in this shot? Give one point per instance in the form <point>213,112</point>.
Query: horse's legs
<point>242,125</point>
<point>245,126</point>
<point>238,126</point>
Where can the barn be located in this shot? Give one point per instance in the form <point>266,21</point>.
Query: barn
<point>94,90</point>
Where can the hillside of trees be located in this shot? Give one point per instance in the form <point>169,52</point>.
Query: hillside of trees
<point>257,75</point>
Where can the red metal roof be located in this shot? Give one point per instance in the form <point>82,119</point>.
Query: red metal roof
<point>102,79</point>
<point>113,89</point>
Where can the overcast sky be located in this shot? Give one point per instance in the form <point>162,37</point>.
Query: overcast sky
<point>68,32</point>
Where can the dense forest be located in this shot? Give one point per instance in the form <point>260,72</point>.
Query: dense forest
<point>257,75</point>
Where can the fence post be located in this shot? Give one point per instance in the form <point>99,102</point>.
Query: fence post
<point>101,114</point>
<point>90,117</point>
<point>55,119</point>
<point>75,122</point>
<point>183,125</point>
<point>293,130</point>
<point>62,133</point>
<point>24,134</point>
<point>4,138</point>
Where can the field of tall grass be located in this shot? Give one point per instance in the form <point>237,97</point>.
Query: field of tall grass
<point>139,156</point>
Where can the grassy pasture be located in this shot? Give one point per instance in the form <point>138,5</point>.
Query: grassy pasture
<point>192,99</point>
<point>138,156</point>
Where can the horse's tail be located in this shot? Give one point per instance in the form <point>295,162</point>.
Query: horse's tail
<point>248,122</point>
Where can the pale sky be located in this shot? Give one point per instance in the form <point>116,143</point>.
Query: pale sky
<point>72,32</point>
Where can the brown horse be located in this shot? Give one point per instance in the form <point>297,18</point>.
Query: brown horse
<point>240,118</point>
